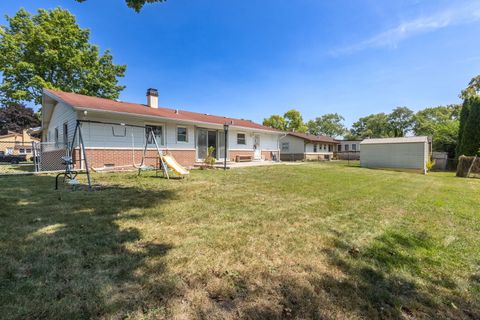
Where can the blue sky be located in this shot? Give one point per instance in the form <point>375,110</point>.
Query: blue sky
<point>250,59</point>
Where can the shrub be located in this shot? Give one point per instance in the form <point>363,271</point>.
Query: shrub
<point>210,159</point>
<point>430,164</point>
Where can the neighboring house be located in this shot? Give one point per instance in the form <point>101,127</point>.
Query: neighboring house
<point>186,135</point>
<point>14,143</point>
<point>403,153</point>
<point>348,149</point>
<point>296,146</point>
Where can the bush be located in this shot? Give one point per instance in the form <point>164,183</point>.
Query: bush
<point>210,160</point>
<point>430,164</point>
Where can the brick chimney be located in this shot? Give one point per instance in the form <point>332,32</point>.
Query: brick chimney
<point>152,98</point>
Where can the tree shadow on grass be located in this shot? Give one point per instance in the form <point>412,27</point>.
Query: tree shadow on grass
<point>69,258</point>
<point>391,278</point>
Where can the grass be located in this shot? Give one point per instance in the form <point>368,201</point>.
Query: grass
<point>7,168</point>
<point>320,241</point>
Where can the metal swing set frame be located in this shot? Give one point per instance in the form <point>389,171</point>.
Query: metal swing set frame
<point>71,174</point>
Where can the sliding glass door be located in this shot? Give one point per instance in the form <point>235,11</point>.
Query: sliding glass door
<point>210,138</point>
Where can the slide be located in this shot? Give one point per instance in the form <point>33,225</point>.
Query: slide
<point>174,165</point>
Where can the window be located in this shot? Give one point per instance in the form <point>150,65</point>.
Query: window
<point>119,131</point>
<point>315,149</point>
<point>157,131</point>
<point>241,138</point>
<point>285,146</point>
<point>56,136</point>
<point>21,151</point>
<point>182,134</point>
<point>339,148</point>
<point>346,147</point>
<point>354,147</point>
<point>65,133</point>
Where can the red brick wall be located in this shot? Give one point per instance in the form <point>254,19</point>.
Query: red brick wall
<point>233,154</point>
<point>267,155</point>
<point>98,158</point>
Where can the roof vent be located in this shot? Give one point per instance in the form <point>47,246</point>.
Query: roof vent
<point>152,98</point>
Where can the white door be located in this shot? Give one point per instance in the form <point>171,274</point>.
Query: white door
<point>256,146</point>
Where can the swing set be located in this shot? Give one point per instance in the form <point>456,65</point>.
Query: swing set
<point>164,161</point>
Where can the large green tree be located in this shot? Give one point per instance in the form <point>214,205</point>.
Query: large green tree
<point>441,123</point>
<point>294,121</point>
<point>470,128</point>
<point>464,113</point>
<point>50,50</point>
<point>401,121</point>
<point>330,124</point>
<point>372,126</point>
<point>275,121</point>
<point>137,5</point>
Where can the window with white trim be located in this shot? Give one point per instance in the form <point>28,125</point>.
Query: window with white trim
<point>315,148</point>
<point>354,147</point>
<point>157,131</point>
<point>346,147</point>
<point>285,146</point>
<point>182,134</point>
<point>241,138</point>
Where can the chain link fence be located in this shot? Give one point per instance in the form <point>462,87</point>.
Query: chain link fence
<point>21,158</point>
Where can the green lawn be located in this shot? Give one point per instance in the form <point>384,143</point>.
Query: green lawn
<point>322,241</point>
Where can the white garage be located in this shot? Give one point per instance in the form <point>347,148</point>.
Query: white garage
<point>402,153</point>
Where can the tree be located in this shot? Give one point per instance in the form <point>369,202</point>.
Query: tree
<point>275,121</point>
<point>16,117</point>
<point>470,141</point>
<point>50,50</point>
<point>330,124</point>
<point>472,90</point>
<point>294,121</point>
<point>463,120</point>
<point>137,5</point>
<point>401,121</point>
<point>441,123</point>
<point>372,126</point>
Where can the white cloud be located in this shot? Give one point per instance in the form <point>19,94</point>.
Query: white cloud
<point>392,37</point>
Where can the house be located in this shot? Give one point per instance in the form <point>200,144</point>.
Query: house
<point>402,153</point>
<point>348,149</point>
<point>296,146</point>
<point>14,143</point>
<point>114,132</point>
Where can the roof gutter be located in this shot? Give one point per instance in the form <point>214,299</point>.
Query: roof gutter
<point>82,109</point>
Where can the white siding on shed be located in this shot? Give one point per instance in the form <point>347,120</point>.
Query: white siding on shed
<point>407,155</point>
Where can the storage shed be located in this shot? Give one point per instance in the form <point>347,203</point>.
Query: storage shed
<point>402,153</point>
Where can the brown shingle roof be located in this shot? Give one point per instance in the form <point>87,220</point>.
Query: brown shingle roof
<point>312,137</point>
<point>82,102</point>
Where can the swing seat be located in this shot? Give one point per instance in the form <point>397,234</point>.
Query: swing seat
<point>73,182</point>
